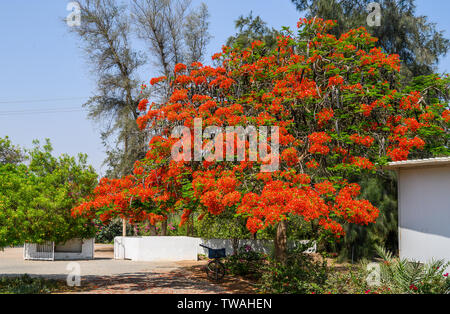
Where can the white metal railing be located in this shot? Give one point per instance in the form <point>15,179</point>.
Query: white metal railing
<point>44,251</point>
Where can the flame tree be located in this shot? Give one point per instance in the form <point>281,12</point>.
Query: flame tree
<point>340,110</point>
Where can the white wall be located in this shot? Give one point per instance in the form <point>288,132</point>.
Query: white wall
<point>262,246</point>
<point>156,248</point>
<point>181,248</point>
<point>87,251</point>
<point>424,213</point>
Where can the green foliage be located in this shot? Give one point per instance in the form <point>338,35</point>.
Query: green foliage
<point>360,241</point>
<point>35,200</point>
<point>251,29</point>
<point>437,139</point>
<point>223,226</point>
<point>10,154</point>
<point>107,233</point>
<point>309,273</point>
<point>245,263</point>
<point>404,276</point>
<point>299,275</point>
<point>418,42</point>
<point>27,285</point>
<point>381,188</point>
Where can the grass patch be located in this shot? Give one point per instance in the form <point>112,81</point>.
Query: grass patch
<point>28,285</point>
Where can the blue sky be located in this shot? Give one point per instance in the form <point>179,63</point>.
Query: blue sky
<point>42,67</point>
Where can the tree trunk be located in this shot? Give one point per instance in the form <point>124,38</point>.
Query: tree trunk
<point>281,242</point>
<point>190,226</point>
<point>124,227</point>
<point>152,230</point>
<point>164,228</point>
<point>235,246</point>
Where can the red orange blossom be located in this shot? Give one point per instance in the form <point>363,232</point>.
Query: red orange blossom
<point>340,109</point>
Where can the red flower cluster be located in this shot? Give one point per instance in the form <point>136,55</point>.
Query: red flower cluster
<point>318,139</point>
<point>335,80</point>
<point>366,141</point>
<point>298,91</point>
<point>324,116</point>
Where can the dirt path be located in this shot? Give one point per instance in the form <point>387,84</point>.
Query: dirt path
<point>107,276</point>
<point>188,278</point>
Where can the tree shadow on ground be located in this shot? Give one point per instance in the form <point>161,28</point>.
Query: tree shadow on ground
<point>233,284</point>
<point>184,280</point>
<point>148,282</point>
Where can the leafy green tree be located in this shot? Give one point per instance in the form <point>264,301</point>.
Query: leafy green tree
<point>358,243</point>
<point>35,199</point>
<point>212,227</point>
<point>418,41</point>
<point>250,29</point>
<point>10,154</point>
<point>380,189</point>
<point>420,45</point>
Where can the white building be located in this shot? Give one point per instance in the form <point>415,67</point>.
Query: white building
<point>424,208</point>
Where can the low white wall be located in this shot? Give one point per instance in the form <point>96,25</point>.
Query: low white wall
<point>87,251</point>
<point>183,248</point>
<point>156,248</point>
<point>262,246</point>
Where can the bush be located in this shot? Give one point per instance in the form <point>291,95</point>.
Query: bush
<point>27,285</point>
<point>107,233</point>
<point>245,263</point>
<point>36,198</point>
<point>304,273</point>
<point>404,276</point>
<point>351,279</point>
<point>300,274</point>
<point>396,276</point>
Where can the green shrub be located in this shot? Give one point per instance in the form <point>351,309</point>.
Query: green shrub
<point>36,197</point>
<point>27,285</point>
<point>300,274</point>
<point>245,263</point>
<point>404,276</point>
<point>351,279</point>
<point>107,233</point>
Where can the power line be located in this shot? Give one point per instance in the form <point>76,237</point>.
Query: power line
<point>40,100</point>
<point>45,111</point>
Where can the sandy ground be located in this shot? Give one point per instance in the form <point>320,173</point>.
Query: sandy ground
<point>12,263</point>
<point>105,275</point>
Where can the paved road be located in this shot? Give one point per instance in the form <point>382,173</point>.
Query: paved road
<point>106,275</point>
